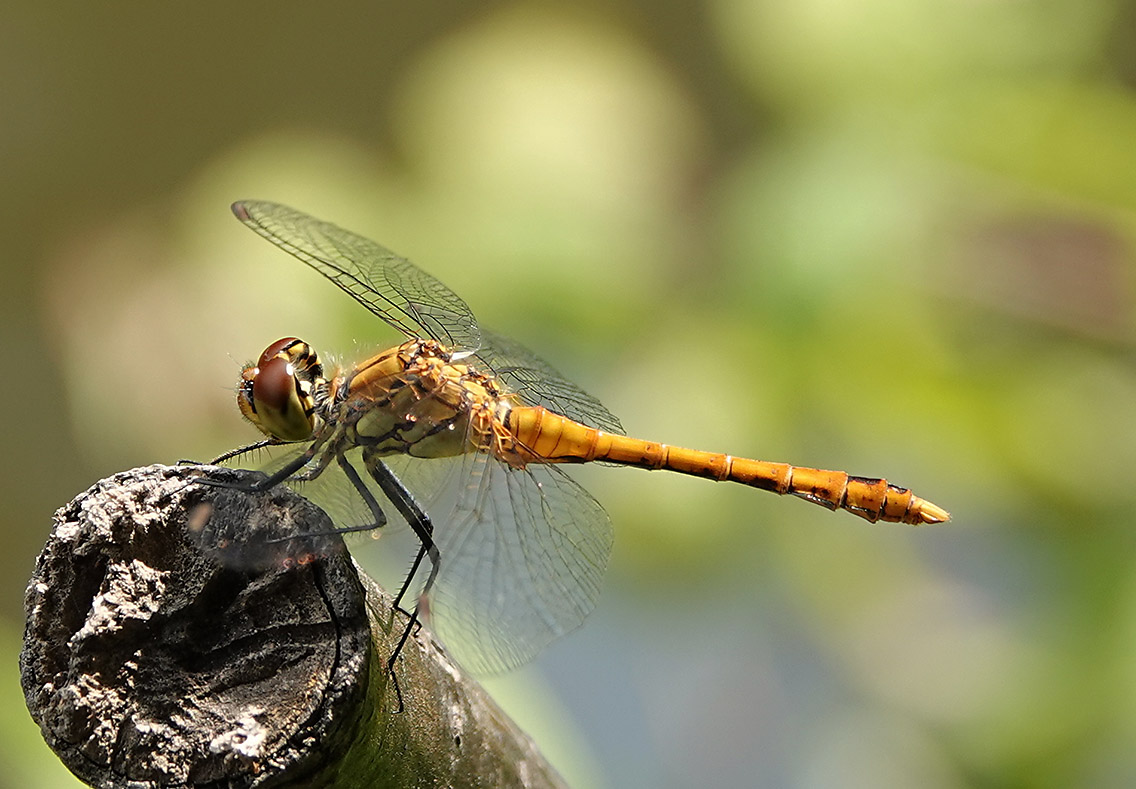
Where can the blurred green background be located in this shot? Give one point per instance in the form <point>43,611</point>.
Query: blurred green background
<point>891,237</point>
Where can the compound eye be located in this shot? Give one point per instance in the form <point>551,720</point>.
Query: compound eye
<point>270,396</point>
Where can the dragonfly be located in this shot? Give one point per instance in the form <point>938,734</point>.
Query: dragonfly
<point>518,550</point>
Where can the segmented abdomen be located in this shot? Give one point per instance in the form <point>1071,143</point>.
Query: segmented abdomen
<point>540,434</point>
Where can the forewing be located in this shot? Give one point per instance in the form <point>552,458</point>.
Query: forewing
<point>390,286</point>
<point>536,382</point>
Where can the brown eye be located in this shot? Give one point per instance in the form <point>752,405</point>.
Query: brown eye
<point>281,346</point>
<point>270,395</point>
<point>274,387</point>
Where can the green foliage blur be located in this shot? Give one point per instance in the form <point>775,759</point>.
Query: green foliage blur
<point>895,238</point>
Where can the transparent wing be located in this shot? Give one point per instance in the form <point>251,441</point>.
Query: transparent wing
<point>538,383</point>
<point>523,553</point>
<point>391,287</point>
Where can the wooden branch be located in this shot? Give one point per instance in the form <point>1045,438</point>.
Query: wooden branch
<point>182,635</point>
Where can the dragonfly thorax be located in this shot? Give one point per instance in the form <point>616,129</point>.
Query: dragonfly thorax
<point>415,399</point>
<point>281,394</point>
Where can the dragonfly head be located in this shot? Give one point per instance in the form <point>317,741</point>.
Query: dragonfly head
<point>278,394</point>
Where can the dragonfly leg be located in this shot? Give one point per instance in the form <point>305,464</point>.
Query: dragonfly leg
<point>409,576</point>
<point>272,480</point>
<point>380,518</point>
<point>233,453</point>
<point>419,521</point>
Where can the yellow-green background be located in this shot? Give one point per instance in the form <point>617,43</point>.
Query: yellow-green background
<point>888,236</point>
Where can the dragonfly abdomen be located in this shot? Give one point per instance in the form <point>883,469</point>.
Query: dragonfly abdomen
<point>551,437</point>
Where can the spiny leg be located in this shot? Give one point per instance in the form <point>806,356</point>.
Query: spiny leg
<point>380,518</point>
<point>278,476</point>
<point>419,521</point>
<point>232,453</point>
<point>413,570</point>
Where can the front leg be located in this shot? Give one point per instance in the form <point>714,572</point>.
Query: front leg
<point>247,448</point>
<point>274,479</point>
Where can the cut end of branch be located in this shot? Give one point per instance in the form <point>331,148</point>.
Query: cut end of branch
<point>174,639</point>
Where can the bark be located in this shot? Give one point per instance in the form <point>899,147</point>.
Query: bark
<point>185,635</point>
